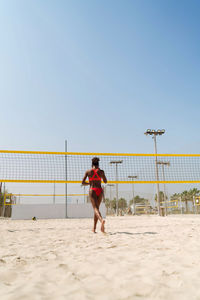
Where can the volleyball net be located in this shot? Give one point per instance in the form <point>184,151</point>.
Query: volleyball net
<point>70,167</point>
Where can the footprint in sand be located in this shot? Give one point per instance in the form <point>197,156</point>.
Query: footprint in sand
<point>2,261</point>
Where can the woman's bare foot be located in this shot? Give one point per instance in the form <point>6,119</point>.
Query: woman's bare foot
<point>102,226</point>
<point>94,230</point>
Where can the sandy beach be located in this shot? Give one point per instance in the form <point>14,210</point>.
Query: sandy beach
<point>146,257</point>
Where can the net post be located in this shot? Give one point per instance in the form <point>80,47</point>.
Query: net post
<point>66,179</point>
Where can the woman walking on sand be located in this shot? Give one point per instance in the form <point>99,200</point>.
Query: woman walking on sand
<point>95,176</point>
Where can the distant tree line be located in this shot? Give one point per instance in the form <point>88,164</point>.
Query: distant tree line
<point>123,204</point>
<point>186,197</point>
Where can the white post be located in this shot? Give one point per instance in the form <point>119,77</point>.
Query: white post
<point>110,186</point>
<point>157,177</point>
<point>165,195</point>
<point>117,204</point>
<point>84,193</point>
<point>4,200</point>
<point>181,205</point>
<point>66,179</point>
<point>194,205</point>
<point>134,206</point>
<point>117,198</point>
<point>54,193</point>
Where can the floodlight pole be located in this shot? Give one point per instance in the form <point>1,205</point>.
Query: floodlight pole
<point>117,197</point>
<point>157,177</point>
<point>154,133</point>
<point>181,205</point>
<point>66,179</point>
<point>164,163</point>
<point>54,193</point>
<point>116,162</point>
<point>163,172</point>
<point>84,193</point>
<point>110,186</point>
<point>134,206</point>
<point>110,191</point>
<point>4,207</point>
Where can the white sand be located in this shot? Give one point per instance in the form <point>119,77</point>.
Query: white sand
<point>140,258</point>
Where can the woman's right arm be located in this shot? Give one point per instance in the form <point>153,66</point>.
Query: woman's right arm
<point>84,179</point>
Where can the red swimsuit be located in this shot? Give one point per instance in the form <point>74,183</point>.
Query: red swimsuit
<point>97,190</point>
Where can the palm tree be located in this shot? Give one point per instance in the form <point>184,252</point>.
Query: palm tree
<point>139,200</point>
<point>162,197</point>
<point>185,197</point>
<point>193,193</point>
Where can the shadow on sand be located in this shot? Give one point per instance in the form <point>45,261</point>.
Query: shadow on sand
<point>132,233</point>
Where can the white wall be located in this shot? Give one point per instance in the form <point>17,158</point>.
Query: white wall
<point>54,211</point>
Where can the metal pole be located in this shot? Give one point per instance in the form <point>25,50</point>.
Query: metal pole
<point>110,199</point>
<point>194,205</point>
<point>157,178</point>
<point>165,195</point>
<point>181,205</point>
<point>54,193</point>
<point>66,179</point>
<point>4,207</point>
<point>134,206</point>
<point>117,204</point>
<point>1,196</point>
<point>110,196</point>
<point>84,193</point>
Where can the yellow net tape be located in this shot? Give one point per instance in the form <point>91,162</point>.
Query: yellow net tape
<point>69,167</point>
<point>170,204</point>
<point>48,195</point>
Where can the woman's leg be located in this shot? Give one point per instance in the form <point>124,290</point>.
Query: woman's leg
<point>99,200</point>
<point>95,204</point>
<point>95,223</point>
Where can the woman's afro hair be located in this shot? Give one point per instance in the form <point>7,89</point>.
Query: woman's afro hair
<point>95,161</point>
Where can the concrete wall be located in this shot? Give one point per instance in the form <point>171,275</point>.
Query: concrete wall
<point>54,211</point>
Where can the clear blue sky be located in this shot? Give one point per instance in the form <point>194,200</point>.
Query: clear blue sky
<point>99,73</point>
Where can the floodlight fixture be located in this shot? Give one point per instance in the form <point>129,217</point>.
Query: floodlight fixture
<point>154,132</point>
<point>116,161</point>
<point>132,176</point>
<point>164,163</point>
